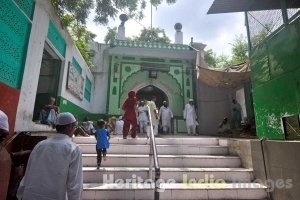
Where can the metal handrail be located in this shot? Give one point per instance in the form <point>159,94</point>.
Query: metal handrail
<point>153,154</point>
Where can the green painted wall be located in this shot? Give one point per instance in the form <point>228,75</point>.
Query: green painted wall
<point>276,80</point>
<point>68,106</point>
<point>56,39</point>
<point>15,29</point>
<point>126,73</point>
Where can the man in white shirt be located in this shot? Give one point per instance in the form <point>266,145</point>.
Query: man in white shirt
<point>154,115</point>
<point>189,116</point>
<point>224,126</point>
<point>119,126</point>
<point>143,117</point>
<point>165,114</point>
<point>54,169</point>
<point>236,114</point>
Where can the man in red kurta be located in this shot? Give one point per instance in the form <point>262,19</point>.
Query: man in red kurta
<point>130,115</point>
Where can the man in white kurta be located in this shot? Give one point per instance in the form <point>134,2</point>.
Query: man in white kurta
<point>54,169</point>
<point>236,114</point>
<point>143,117</point>
<point>189,116</point>
<point>119,126</point>
<point>165,114</point>
<point>154,115</point>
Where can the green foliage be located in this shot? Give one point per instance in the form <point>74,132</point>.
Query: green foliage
<point>239,50</point>
<point>210,58</point>
<point>261,35</point>
<point>81,36</point>
<point>256,39</point>
<point>146,35</point>
<point>79,9</point>
<point>73,14</point>
<point>153,35</point>
<point>106,9</point>
<point>216,61</point>
<point>223,61</point>
<point>110,35</point>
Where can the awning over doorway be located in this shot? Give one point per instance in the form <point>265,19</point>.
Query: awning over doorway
<point>228,6</point>
<point>230,77</point>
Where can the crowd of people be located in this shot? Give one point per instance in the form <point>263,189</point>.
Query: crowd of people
<point>64,178</point>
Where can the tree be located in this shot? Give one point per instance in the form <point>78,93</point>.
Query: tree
<point>74,13</point>
<point>146,35</point>
<point>210,58</point>
<point>79,9</point>
<point>110,35</point>
<point>81,36</point>
<point>105,9</point>
<point>153,35</point>
<point>223,61</point>
<point>216,61</point>
<point>239,50</point>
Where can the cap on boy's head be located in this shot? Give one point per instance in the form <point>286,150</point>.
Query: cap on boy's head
<point>65,118</point>
<point>191,100</point>
<point>4,121</point>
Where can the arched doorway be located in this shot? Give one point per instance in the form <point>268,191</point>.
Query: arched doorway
<point>147,92</point>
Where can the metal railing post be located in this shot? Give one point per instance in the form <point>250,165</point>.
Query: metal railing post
<point>153,155</point>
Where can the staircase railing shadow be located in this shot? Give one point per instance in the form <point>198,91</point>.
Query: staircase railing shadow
<point>153,157</point>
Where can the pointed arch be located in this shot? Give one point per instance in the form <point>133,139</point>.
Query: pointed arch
<point>164,82</point>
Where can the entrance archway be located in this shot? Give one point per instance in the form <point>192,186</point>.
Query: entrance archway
<point>147,92</point>
<point>165,82</point>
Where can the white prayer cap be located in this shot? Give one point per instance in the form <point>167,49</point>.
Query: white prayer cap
<point>65,118</point>
<point>4,121</point>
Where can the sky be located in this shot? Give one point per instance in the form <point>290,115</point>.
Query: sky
<point>217,31</point>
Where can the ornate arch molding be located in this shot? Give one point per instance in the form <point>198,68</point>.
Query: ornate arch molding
<point>166,82</point>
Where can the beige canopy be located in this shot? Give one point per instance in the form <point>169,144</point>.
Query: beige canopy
<point>230,77</point>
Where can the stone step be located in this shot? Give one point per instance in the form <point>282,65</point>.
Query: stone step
<point>178,141</point>
<point>175,191</point>
<point>92,175</point>
<point>134,160</point>
<point>161,149</point>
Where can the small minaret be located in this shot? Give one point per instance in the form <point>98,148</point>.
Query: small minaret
<point>178,34</point>
<point>121,28</point>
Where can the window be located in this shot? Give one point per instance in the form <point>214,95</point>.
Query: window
<point>88,89</point>
<point>76,65</point>
<point>152,74</point>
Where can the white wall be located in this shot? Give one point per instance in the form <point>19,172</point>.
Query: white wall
<point>71,52</point>
<point>213,106</point>
<point>101,74</point>
<point>32,69</point>
<point>156,53</point>
<point>42,14</point>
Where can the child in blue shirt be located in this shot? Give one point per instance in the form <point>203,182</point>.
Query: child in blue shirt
<point>102,137</point>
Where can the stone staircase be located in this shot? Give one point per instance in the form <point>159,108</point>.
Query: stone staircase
<point>191,168</point>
